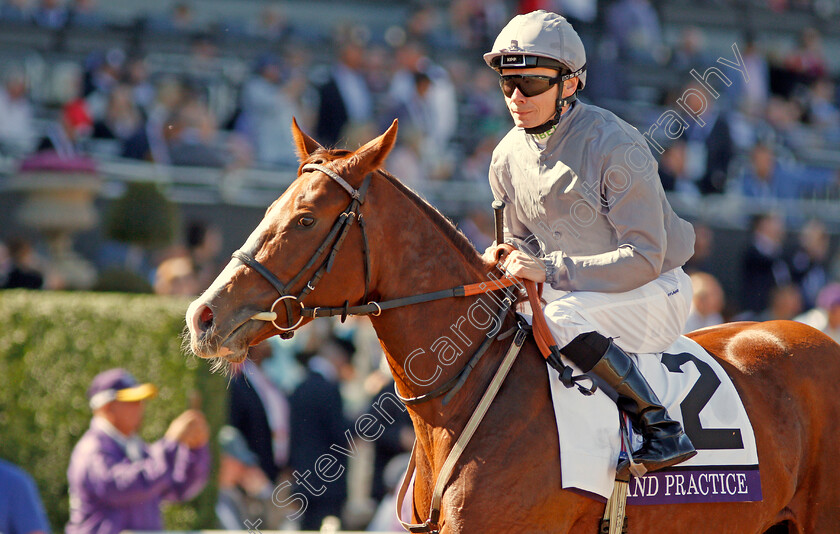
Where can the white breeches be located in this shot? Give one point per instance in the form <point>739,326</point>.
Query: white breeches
<point>643,320</point>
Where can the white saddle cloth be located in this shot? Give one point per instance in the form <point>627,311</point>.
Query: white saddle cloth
<point>588,426</point>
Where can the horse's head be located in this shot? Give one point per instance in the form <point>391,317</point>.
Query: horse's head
<point>261,291</point>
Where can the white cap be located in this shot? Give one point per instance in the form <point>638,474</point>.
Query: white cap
<point>539,39</point>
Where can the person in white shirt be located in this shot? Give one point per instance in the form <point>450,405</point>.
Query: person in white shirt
<point>17,130</point>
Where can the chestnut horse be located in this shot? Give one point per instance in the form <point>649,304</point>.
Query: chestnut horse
<point>508,478</point>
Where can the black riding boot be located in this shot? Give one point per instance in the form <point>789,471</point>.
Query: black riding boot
<point>665,442</point>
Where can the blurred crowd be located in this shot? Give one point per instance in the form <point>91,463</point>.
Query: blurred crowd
<point>316,436</point>
<point>779,276</point>
<point>211,106</point>
<point>208,107</point>
<point>769,139</point>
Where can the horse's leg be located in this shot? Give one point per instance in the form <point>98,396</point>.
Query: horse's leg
<point>816,504</point>
<point>785,527</point>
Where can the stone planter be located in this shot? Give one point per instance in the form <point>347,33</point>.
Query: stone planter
<point>58,202</point>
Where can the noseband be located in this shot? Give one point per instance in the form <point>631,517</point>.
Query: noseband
<point>335,237</point>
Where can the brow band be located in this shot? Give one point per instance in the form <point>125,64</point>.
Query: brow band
<point>338,179</point>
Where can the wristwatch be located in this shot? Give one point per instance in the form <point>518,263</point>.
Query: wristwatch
<point>550,272</point>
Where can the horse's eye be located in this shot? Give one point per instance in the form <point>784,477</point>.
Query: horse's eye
<point>306,221</point>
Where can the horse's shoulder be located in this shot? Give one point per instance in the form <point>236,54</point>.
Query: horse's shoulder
<point>750,346</point>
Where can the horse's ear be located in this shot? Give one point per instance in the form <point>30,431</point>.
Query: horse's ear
<point>304,145</point>
<point>373,154</point>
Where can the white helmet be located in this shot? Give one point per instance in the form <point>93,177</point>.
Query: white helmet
<point>539,39</point>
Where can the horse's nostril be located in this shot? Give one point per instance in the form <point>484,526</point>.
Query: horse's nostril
<point>205,318</point>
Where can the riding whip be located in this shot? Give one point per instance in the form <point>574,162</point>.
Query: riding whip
<point>498,216</point>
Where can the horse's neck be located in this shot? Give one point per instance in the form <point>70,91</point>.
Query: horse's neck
<point>426,334</point>
<point>429,343</point>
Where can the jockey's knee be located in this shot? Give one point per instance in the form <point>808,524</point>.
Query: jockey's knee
<point>586,350</point>
<point>567,323</point>
<point>565,311</point>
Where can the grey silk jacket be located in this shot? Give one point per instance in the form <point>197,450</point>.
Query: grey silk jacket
<point>590,203</point>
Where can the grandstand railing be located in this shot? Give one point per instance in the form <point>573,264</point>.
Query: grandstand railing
<point>257,188</point>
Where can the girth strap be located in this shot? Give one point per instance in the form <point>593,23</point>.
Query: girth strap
<point>431,525</point>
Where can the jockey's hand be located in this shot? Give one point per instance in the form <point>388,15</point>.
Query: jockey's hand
<point>489,255</point>
<point>522,265</point>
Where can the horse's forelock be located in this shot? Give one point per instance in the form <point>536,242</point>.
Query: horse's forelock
<point>324,155</point>
<point>342,160</point>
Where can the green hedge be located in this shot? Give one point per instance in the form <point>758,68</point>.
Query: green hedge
<point>53,344</point>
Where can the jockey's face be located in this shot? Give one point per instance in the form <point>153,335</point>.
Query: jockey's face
<point>530,112</point>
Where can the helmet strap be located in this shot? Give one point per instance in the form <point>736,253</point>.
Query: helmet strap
<point>561,103</point>
<point>552,122</point>
<point>544,127</point>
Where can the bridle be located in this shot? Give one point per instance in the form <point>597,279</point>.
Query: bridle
<point>335,238</point>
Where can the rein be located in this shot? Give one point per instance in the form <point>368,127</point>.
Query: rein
<point>451,386</point>
<point>336,237</point>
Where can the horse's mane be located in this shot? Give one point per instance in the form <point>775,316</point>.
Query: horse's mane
<point>455,236</point>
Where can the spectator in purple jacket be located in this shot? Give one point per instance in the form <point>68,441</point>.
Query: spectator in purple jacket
<point>117,481</point>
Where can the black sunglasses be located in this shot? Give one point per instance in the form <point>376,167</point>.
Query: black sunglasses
<point>528,84</point>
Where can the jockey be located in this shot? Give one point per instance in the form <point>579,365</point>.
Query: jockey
<point>586,209</point>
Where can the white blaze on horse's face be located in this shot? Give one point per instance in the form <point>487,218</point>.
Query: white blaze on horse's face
<point>227,273</point>
<point>251,247</point>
